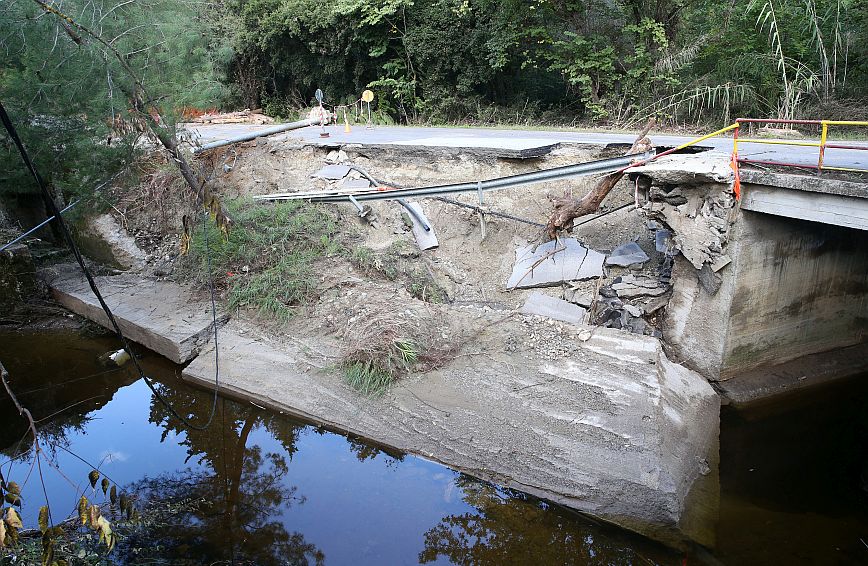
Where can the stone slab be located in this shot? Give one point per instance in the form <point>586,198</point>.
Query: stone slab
<point>574,262</point>
<point>552,307</point>
<point>356,184</point>
<point>627,254</point>
<point>159,315</point>
<point>332,172</point>
<point>691,168</point>
<point>617,431</point>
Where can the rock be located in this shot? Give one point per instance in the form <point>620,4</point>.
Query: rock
<point>627,254</point>
<point>662,240</point>
<point>543,266</point>
<point>332,172</point>
<point>558,309</point>
<point>107,241</point>
<point>633,310</point>
<point>710,280</point>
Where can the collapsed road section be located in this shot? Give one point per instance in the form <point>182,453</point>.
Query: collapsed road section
<point>576,369</point>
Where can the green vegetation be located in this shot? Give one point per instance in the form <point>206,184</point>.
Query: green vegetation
<point>75,106</point>
<point>266,263</point>
<point>555,61</point>
<point>372,368</point>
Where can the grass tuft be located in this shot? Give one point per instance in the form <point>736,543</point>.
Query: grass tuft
<point>266,263</point>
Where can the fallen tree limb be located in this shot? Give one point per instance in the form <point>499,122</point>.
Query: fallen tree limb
<point>568,209</point>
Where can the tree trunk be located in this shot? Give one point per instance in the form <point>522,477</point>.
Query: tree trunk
<point>568,209</point>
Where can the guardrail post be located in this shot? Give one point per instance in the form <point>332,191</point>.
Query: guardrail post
<point>822,145</point>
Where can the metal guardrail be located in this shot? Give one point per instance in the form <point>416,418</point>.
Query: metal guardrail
<point>822,145</point>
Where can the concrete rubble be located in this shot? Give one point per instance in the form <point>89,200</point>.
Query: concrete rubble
<point>552,307</point>
<point>553,263</point>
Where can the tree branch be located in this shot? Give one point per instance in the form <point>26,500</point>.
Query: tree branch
<point>568,209</point>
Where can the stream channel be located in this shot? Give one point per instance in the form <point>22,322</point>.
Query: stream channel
<point>261,488</point>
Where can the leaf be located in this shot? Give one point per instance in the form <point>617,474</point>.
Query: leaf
<point>43,518</point>
<point>12,499</point>
<point>94,515</point>
<point>105,485</point>
<point>105,533</point>
<point>2,534</point>
<point>12,518</point>
<point>113,494</point>
<point>93,476</point>
<point>82,509</point>
<point>14,488</point>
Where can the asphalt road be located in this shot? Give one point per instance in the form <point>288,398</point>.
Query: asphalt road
<point>518,139</point>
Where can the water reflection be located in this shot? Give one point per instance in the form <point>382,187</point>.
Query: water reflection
<point>229,511</point>
<point>259,488</point>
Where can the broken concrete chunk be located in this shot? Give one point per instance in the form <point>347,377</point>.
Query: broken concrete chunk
<point>627,254</point>
<point>552,307</point>
<point>631,286</point>
<point>554,262</point>
<point>721,262</point>
<point>662,240</point>
<point>355,184</point>
<point>332,172</point>
<point>655,304</point>
<point>690,169</point>
<point>336,156</point>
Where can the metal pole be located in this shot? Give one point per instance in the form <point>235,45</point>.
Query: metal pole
<point>35,228</point>
<point>257,134</point>
<point>581,169</point>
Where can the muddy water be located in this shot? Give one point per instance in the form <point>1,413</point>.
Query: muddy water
<point>268,489</point>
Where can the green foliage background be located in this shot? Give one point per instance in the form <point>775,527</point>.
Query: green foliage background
<point>536,62</point>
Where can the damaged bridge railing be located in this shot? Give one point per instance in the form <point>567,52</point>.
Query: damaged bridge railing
<point>822,145</point>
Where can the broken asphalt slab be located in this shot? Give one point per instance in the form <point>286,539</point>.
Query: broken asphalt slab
<point>690,168</point>
<point>159,315</point>
<point>553,263</point>
<point>618,431</point>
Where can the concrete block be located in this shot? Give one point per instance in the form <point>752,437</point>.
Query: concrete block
<point>332,172</point>
<point>553,263</point>
<point>159,315</point>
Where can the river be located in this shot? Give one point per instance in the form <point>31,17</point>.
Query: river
<point>257,487</point>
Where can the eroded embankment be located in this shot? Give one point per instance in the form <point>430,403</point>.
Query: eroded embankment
<point>598,419</point>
